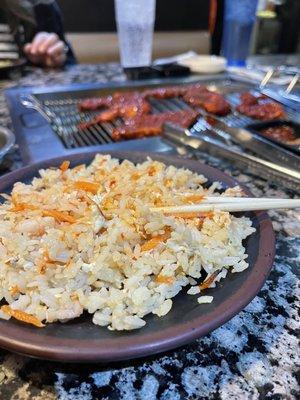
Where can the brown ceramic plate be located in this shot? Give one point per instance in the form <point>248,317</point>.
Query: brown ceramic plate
<point>80,340</point>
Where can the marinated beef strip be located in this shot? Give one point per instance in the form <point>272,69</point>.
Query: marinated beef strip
<point>166,92</point>
<point>134,108</point>
<point>194,95</point>
<point>124,105</point>
<point>152,125</point>
<point>283,133</point>
<point>260,107</point>
<point>94,103</point>
<point>212,102</point>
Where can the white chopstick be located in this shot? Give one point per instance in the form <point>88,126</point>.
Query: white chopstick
<point>224,199</point>
<point>251,205</point>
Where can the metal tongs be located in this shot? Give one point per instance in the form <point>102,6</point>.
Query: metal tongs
<point>250,141</point>
<point>284,95</point>
<point>280,174</point>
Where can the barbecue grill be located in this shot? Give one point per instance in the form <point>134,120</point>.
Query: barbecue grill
<point>46,121</point>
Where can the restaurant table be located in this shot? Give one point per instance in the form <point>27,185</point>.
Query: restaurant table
<point>253,356</point>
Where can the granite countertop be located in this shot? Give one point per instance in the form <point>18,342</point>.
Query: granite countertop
<point>253,356</point>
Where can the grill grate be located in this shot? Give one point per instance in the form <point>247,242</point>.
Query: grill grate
<point>64,118</point>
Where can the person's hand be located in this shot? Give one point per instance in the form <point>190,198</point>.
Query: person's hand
<point>46,49</point>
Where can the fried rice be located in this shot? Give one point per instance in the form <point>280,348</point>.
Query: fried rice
<point>84,239</point>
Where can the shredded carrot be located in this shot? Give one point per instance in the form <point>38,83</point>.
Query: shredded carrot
<point>59,216</point>
<point>64,166</point>
<point>208,281</point>
<point>74,296</point>
<point>167,182</point>
<point>151,170</point>
<point>194,197</point>
<point>41,264</point>
<point>164,279</point>
<point>22,207</point>
<point>153,242</point>
<point>135,176</point>
<point>42,267</point>
<point>47,258</point>
<point>22,316</point>
<point>191,215</point>
<point>92,187</point>
<point>14,290</point>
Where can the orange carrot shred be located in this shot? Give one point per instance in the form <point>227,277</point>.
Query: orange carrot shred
<point>153,242</point>
<point>164,279</point>
<point>194,197</point>
<point>208,281</point>
<point>47,258</point>
<point>14,290</point>
<point>190,215</point>
<point>151,170</point>
<point>59,216</point>
<point>92,187</point>
<point>64,166</point>
<point>135,176</point>
<point>22,207</point>
<point>22,316</point>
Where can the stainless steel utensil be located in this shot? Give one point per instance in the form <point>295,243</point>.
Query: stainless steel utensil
<point>7,141</point>
<point>253,142</point>
<point>269,170</point>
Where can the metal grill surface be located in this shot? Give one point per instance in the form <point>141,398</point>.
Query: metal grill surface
<point>62,112</point>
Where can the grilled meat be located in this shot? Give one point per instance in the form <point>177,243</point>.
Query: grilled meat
<point>125,105</point>
<point>134,109</point>
<point>119,100</point>
<point>166,92</point>
<point>260,107</point>
<point>214,103</point>
<point>95,103</point>
<point>248,99</point>
<point>152,125</point>
<point>283,133</point>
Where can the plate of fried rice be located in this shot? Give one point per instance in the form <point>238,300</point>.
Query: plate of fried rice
<point>89,271</point>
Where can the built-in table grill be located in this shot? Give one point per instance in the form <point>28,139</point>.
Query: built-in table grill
<point>50,128</point>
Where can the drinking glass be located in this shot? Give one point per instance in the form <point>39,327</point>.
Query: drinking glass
<point>239,18</point>
<point>135,24</point>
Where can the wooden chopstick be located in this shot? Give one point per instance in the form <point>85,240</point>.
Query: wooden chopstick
<point>251,205</point>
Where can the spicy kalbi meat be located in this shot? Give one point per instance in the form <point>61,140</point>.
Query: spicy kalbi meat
<point>95,103</point>
<point>283,133</point>
<point>214,103</point>
<point>195,95</point>
<point>122,101</point>
<point>125,105</point>
<point>265,111</point>
<point>134,108</point>
<point>105,116</point>
<point>248,99</point>
<point>152,125</point>
<point>166,92</point>
<point>259,107</point>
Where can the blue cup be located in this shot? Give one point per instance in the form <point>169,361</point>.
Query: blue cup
<point>239,18</point>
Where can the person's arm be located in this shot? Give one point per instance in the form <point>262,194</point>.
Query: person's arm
<point>49,46</point>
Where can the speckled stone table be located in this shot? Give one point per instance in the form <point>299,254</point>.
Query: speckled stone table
<point>253,356</point>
